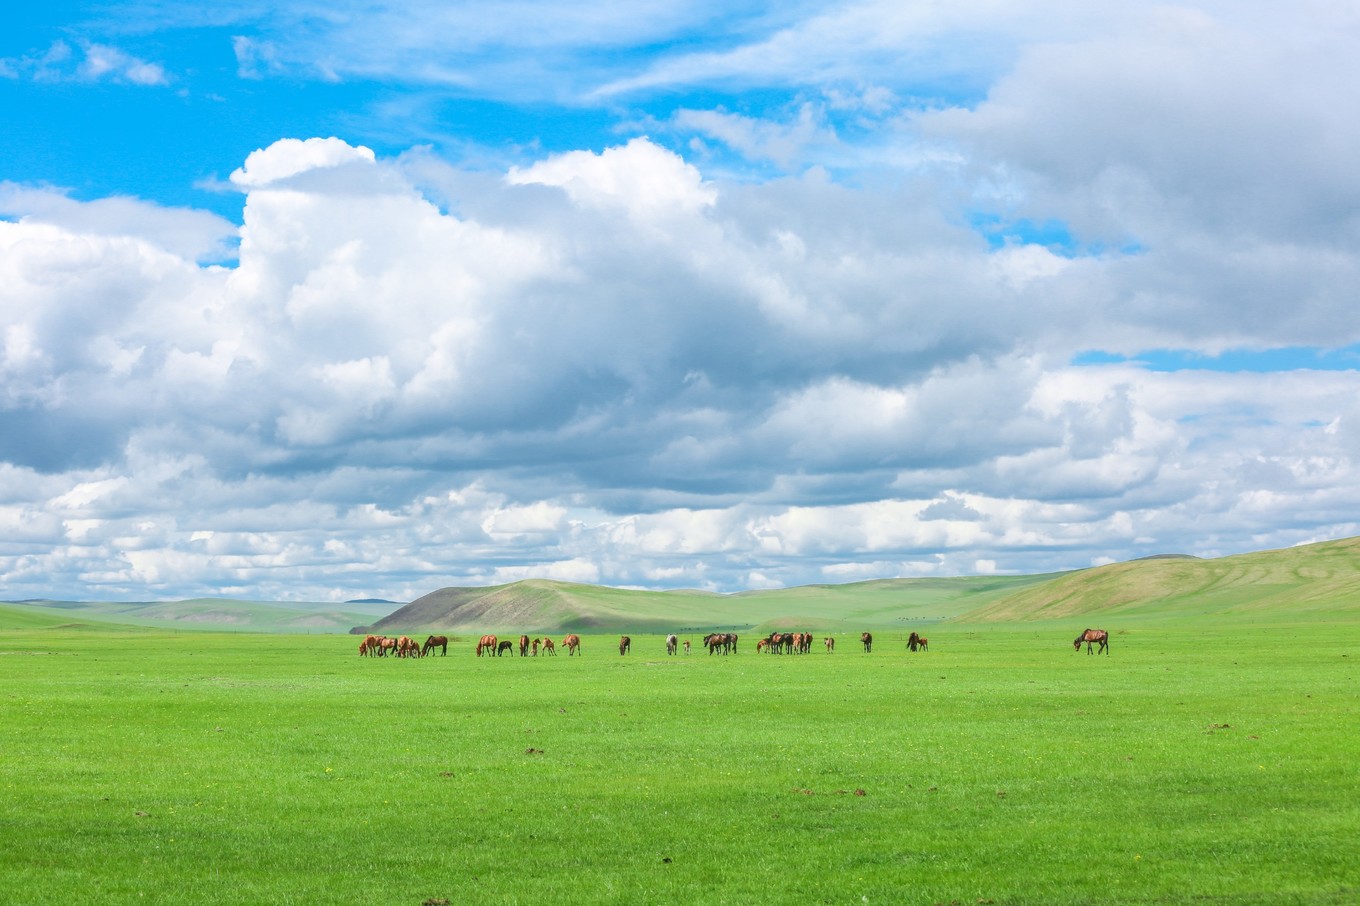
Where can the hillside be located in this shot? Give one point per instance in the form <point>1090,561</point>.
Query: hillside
<point>539,605</point>
<point>1309,581</point>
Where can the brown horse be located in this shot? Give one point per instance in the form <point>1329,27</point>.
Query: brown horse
<point>686,646</point>
<point>867,638</point>
<point>487,643</point>
<point>534,645</point>
<point>572,643</point>
<point>924,643</point>
<point>830,645</point>
<point>363,648</point>
<point>548,647</point>
<point>625,645</point>
<point>524,646</point>
<point>436,641</point>
<point>1098,637</point>
<point>913,641</point>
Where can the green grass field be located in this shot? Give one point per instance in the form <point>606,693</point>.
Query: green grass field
<point>1202,761</point>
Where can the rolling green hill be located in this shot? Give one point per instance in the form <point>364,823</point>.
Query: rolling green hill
<point>538,605</point>
<point>1313,581</point>
<point>1310,582</point>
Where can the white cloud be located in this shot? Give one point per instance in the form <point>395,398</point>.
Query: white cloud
<point>640,177</point>
<point>290,156</point>
<point>624,365</point>
<point>86,62</point>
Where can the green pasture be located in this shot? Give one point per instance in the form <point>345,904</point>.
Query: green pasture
<point>1208,762</point>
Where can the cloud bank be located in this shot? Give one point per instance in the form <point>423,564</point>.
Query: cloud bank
<point>913,350</point>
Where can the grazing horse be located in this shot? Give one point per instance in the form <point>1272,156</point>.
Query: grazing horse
<point>505,647</point>
<point>625,644</point>
<point>686,646</point>
<point>548,647</point>
<point>524,646</point>
<point>670,644</point>
<point>1099,637</point>
<point>867,638</point>
<point>487,643</point>
<point>386,646</point>
<point>436,641</point>
<point>830,645</point>
<point>727,641</point>
<point>363,648</point>
<point>572,643</point>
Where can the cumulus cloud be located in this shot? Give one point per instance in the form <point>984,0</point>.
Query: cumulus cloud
<point>195,235</point>
<point>621,365</point>
<point>290,156</point>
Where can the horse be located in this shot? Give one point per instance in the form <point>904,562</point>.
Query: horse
<point>760,645</point>
<point>534,645</point>
<point>524,646</point>
<point>686,646</point>
<point>830,645</point>
<point>670,644</point>
<point>727,641</point>
<point>386,645</point>
<point>505,647</point>
<point>436,641</point>
<point>487,643</point>
<point>924,643</point>
<point>625,645</point>
<point>573,644</point>
<point>363,648</point>
<point>1099,637</point>
<point>913,641</point>
<point>548,647</point>
<point>867,638</point>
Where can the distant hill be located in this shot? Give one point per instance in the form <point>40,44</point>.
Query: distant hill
<point>1315,581</point>
<point>1309,581</point>
<point>198,613</point>
<point>540,605</point>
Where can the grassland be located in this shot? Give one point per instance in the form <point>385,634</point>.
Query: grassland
<point>1201,762</point>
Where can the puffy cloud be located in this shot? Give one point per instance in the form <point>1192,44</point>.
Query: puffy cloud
<point>290,156</point>
<point>616,365</point>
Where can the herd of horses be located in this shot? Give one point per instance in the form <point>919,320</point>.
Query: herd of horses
<point>715,642</point>
<point>401,646</point>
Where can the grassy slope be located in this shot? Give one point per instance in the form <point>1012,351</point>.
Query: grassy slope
<point>1309,582</point>
<point>540,605</point>
<point>1314,581</point>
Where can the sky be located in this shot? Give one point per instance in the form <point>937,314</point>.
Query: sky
<point>324,301</point>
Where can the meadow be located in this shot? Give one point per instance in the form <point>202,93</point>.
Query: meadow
<point>1200,762</point>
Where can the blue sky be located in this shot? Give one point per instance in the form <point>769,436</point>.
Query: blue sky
<point>314,300</point>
